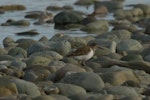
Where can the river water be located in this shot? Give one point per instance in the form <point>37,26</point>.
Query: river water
<point>40,5</point>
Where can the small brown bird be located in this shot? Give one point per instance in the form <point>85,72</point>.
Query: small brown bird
<point>84,53</point>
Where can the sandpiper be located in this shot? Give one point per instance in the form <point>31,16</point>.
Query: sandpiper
<point>84,53</point>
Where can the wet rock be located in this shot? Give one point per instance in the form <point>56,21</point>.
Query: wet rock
<point>145,8</point>
<point>119,77</point>
<point>122,90</point>
<point>38,60</point>
<point>132,15</point>
<point>30,33</point>
<point>44,38</point>
<point>17,52</point>
<point>57,8</point>
<point>109,5</point>
<point>67,17</point>
<point>13,7</point>
<point>83,79</point>
<point>32,16</point>
<point>88,19</point>
<point>129,46</point>
<point>73,89</point>
<point>100,11</point>
<point>9,43</point>
<point>84,2</point>
<point>100,25</point>
<point>16,23</point>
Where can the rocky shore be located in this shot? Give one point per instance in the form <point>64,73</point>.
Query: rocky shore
<point>40,70</point>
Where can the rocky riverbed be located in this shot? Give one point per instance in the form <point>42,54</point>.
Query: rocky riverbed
<point>40,70</point>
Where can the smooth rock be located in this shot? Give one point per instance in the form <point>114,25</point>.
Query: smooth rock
<point>26,87</point>
<point>7,89</point>
<point>8,42</point>
<point>66,70</point>
<point>18,64</point>
<point>67,17</point>
<point>60,97</point>
<point>132,57</point>
<point>38,47</point>
<point>18,52</point>
<point>3,51</point>
<point>30,76</point>
<point>69,89</point>
<point>100,25</point>
<point>84,2</point>
<point>63,47</point>
<point>7,58</point>
<point>129,46</point>
<point>25,43</point>
<point>13,7</point>
<point>131,98</point>
<point>109,4</point>
<point>145,8</point>
<point>119,77</point>
<point>44,97</point>
<point>38,60</point>
<point>48,54</point>
<point>28,33</point>
<point>55,65</point>
<point>16,23</point>
<point>122,90</point>
<point>147,58</point>
<point>92,96</point>
<point>85,80</point>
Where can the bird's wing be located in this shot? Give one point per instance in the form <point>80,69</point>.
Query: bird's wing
<point>79,51</point>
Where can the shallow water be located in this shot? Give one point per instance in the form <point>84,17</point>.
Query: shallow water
<point>46,29</point>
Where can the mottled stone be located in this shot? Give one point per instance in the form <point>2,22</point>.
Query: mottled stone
<point>85,80</point>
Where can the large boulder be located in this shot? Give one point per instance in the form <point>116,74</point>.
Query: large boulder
<point>129,46</point>
<point>67,17</point>
<point>85,80</point>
